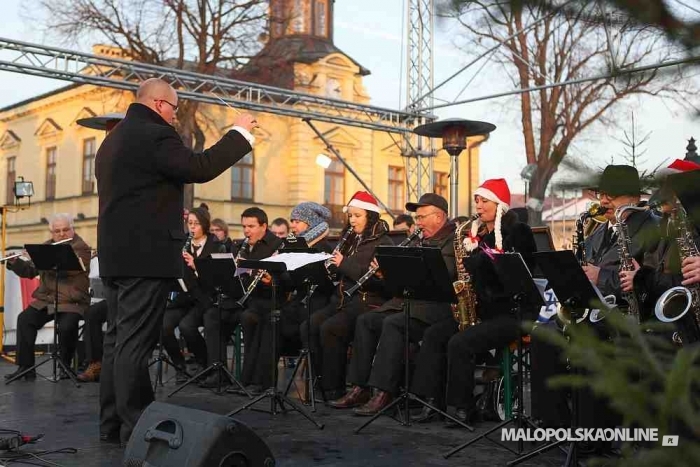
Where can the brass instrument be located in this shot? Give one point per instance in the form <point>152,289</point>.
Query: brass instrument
<point>465,309</point>
<point>407,241</point>
<point>676,302</point>
<point>595,213</point>
<point>624,244</point>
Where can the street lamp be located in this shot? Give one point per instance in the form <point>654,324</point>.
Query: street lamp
<point>323,161</point>
<point>454,133</point>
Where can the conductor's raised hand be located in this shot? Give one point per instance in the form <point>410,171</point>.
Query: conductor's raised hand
<point>246,121</point>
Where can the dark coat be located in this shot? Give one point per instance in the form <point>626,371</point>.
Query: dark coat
<point>196,295</point>
<point>73,286</point>
<point>432,312</point>
<point>357,260</point>
<point>643,230</point>
<point>141,168</point>
<point>492,299</point>
<point>661,269</point>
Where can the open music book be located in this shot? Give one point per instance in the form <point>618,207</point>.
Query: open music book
<point>297,260</point>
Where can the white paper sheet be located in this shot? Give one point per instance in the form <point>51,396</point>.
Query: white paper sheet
<point>297,260</point>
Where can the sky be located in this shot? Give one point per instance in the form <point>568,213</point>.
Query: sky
<point>371,32</point>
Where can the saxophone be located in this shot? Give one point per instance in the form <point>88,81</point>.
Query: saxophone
<point>465,309</point>
<point>676,302</point>
<point>624,245</point>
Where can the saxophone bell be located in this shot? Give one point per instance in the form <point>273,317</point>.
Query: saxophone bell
<point>673,304</point>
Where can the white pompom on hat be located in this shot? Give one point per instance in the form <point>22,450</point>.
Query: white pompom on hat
<point>495,190</point>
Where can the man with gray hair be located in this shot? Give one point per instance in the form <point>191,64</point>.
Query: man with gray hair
<point>73,299</point>
<point>141,169</point>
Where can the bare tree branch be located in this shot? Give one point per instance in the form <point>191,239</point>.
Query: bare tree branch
<point>565,43</point>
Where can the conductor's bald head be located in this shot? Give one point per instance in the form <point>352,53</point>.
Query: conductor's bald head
<point>160,97</point>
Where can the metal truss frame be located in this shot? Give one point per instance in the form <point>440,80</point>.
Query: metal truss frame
<point>84,68</point>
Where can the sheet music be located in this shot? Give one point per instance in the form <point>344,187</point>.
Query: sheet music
<point>297,260</point>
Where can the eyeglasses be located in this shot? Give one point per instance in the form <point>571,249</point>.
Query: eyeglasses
<point>167,102</point>
<point>602,194</point>
<point>193,223</point>
<point>424,216</point>
<point>60,231</point>
<point>216,229</point>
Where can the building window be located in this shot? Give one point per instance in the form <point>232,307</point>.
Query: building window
<point>242,179</point>
<point>334,192</point>
<point>320,25</point>
<point>51,173</point>
<point>397,194</point>
<point>11,177</point>
<point>441,184</point>
<point>299,18</point>
<point>89,166</point>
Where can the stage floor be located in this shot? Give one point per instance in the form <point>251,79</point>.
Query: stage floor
<point>68,417</point>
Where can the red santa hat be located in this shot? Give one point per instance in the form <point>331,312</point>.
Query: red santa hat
<point>495,190</point>
<point>682,165</point>
<point>363,200</point>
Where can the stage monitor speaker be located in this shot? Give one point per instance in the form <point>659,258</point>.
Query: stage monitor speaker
<point>170,435</point>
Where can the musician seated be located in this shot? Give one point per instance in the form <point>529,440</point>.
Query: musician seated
<point>73,299</point>
<point>332,328</point>
<point>95,317</point>
<point>379,334</point>
<point>186,311</point>
<point>619,185</point>
<point>309,221</point>
<point>405,222</point>
<point>449,357</point>
<point>664,267</point>
<point>280,227</point>
<point>261,244</point>
<point>219,228</point>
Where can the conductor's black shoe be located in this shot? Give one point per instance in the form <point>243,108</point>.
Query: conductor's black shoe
<point>31,375</point>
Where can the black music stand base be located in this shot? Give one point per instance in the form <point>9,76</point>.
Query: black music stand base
<point>57,363</point>
<point>276,396</point>
<point>518,418</point>
<point>306,355</point>
<point>306,359</point>
<point>406,396</point>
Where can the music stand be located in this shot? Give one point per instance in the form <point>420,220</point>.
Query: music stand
<point>57,258</point>
<point>414,273</point>
<point>574,290</point>
<point>517,282</point>
<point>309,277</point>
<point>216,274</point>
<point>277,397</point>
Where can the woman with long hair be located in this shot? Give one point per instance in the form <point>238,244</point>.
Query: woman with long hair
<point>332,327</point>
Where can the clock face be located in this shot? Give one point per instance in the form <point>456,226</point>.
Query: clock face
<point>333,88</point>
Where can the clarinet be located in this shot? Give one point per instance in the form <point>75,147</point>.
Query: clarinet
<point>188,244</point>
<point>256,279</point>
<point>349,292</point>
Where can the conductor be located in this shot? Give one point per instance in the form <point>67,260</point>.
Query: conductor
<point>141,169</point>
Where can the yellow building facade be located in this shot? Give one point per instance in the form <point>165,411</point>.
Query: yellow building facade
<point>41,141</point>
